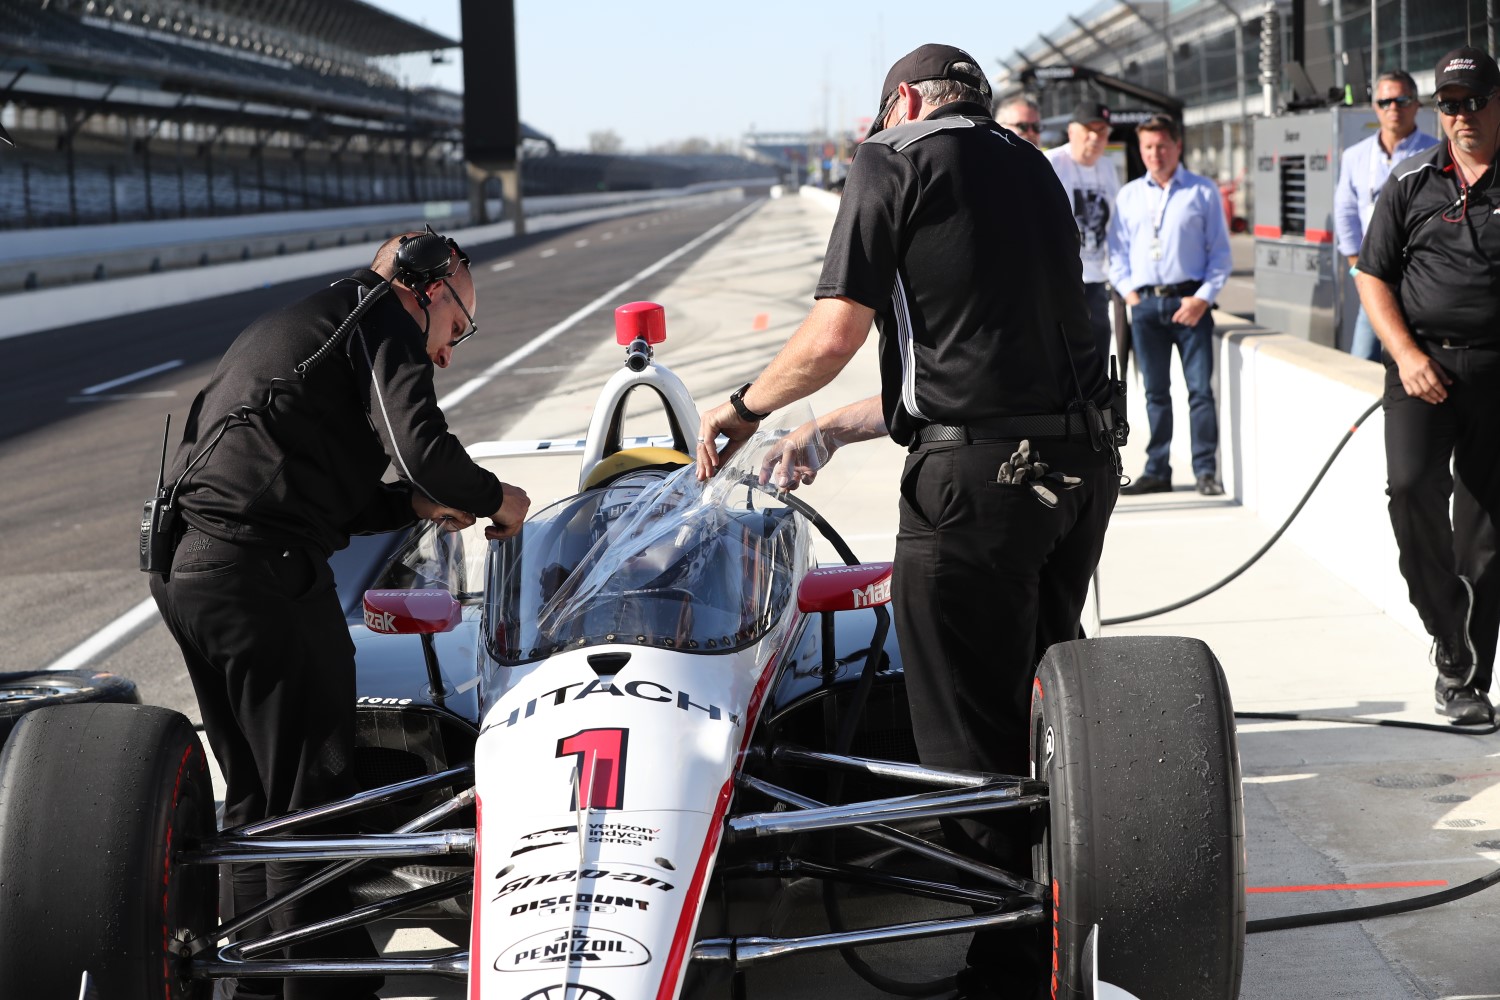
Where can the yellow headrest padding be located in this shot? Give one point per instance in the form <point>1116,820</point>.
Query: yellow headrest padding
<point>631,459</point>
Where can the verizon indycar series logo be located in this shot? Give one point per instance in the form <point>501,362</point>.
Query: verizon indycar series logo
<point>581,902</point>
<point>582,947</point>
<point>627,874</point>
<point>613,834</point>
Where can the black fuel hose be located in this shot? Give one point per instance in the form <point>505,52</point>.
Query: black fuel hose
<point>1354,913</point>
<point>1123,619</point>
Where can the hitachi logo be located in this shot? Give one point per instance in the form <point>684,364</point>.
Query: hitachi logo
<point>641,689</point>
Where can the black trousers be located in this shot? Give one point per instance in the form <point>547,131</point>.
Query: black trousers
<point>1421,441</point>
<point>986,579</point>
<point>272,666</point>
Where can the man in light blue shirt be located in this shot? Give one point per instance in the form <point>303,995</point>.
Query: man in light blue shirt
<point>1169,256</point>
<point>1362,173</point>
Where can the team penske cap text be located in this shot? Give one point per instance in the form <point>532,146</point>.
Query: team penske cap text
<point>1467,67</point>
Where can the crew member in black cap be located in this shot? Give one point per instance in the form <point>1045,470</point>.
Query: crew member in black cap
<point>990,377</point>
<point>1092,182</point>
<point>1429,279</point>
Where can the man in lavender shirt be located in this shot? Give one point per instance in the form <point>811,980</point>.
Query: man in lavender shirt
<point>1362,173</point>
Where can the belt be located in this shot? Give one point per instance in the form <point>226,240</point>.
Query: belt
<point>1454,344</point>
<point>1169,291</point>
<point>1047,425</point>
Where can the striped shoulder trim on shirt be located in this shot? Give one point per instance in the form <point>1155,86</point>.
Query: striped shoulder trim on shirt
<point>906,133</point>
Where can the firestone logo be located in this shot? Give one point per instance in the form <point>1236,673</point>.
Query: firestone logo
<point>878,592</point>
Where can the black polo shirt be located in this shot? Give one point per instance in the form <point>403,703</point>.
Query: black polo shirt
<point>1449,283</point>
<point>960,237</point>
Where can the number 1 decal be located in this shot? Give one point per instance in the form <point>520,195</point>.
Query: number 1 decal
<point>601,765</point>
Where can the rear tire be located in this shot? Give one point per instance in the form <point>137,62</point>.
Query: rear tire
<point>27,691</point>
<point>1144,834</point>
<point>94,802</point>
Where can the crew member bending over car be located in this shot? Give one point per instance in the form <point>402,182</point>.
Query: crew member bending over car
<point>276,473</point>
<point>985,345</point>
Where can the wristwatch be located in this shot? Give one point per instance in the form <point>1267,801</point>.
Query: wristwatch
<point>737,400</point>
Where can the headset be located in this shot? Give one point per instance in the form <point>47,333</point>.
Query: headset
<point>422,260</point>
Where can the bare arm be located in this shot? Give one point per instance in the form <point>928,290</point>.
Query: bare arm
<point>798,457</point>
<point>830,335</point>
<point>1421,376</point>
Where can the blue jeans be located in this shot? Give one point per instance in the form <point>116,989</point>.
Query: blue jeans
<point>1365,344</point>
<point>1152,334</point>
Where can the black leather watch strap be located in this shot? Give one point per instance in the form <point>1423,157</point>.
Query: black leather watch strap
<point>737,400</point>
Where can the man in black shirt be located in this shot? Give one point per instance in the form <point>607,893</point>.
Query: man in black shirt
<point>275,471</point>
<point>1429,279</point>
<point>984,341</point>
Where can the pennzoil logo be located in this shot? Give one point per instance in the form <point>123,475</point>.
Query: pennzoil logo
<point>583,947</point>
<point>623,873</point>
<point>878,592</point>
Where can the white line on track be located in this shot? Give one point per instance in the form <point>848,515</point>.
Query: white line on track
<point>580,243</point>
<point>144,614</point>
<point>607,236</point>
<point>111,397</point>
<point>504,264</point>
<point>165,366</point>
<point>553,332</point>
<point>551,252</point>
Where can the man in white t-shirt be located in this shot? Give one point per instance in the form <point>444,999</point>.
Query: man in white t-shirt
<point>1092,183</point>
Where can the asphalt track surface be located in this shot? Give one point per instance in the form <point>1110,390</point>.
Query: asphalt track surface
<point>77,460</point>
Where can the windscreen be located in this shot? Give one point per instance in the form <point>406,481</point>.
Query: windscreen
<point>654,558</point>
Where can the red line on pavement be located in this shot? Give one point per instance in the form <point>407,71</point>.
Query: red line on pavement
<point>1351,885</point>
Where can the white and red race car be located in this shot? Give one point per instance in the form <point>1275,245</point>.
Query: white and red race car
<point>609,745</point>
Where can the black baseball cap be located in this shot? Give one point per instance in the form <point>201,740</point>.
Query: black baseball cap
<point>1467,67</point>
<point>1089,111</point>
<point>930,62</point>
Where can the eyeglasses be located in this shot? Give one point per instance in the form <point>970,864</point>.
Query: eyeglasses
<point>1023,126</point>
<point>1400,102</point>
<point>1475,102</point>
<point>473,327</point>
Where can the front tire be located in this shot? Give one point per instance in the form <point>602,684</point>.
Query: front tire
<point>1145,827</point>
<point>95,800</point>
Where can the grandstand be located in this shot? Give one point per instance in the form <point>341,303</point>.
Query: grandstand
<point>125,110</point>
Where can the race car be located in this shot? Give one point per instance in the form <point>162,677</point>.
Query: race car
<point>619,746</point>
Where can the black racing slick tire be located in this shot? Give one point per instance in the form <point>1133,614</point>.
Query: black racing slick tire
<point>1144,832</point>
<point>95,802</point>
<point>27,691</point>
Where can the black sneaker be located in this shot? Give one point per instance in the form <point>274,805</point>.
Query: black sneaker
<point>1209,486</point>
<point>1464,705</point>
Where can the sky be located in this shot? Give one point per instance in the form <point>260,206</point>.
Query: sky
<point>658,71</point>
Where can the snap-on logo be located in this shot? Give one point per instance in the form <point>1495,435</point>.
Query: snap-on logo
<point>380,621</point>
<point>586,947</point>
<point>614,873</point>
<point>876,593</point>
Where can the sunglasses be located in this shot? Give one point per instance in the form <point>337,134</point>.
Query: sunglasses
<point>1400,102</point>
<point>1471,104</point>
<point>473,327</point>
<point>1023,126</point>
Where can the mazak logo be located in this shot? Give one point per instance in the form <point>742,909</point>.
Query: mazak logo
<point>380,621</point>
<point>878,592</point>
<point>590,947</point>
<point>581,902</point>
<point>614,873</point>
